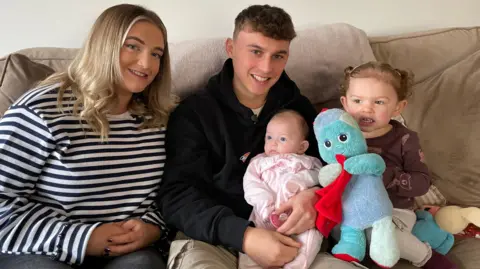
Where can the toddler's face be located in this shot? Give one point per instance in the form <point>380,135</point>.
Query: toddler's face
<point>372,103</point>
<point>284,135</point>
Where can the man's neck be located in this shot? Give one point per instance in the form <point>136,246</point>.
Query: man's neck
<point>249,100</point>
<point>252,103</point>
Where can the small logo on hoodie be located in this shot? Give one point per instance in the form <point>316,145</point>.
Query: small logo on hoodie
<point>244,157</point>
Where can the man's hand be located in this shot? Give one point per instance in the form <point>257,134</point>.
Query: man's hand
<point>303,214</point>
<point>139,235</point>
<point>269,248</point>
<point>99,238</point>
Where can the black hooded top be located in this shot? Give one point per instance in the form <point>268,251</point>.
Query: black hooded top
<point>211,137</point>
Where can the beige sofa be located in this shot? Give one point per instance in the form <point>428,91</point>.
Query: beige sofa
<point>444,108</point>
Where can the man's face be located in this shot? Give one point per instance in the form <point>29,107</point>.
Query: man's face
<point>258,63</point>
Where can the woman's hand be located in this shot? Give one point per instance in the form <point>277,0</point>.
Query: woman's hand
<point>139,235</point>
<point>98,241</point>
<point>303,213</point>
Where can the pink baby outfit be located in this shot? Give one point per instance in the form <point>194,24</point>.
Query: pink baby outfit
<point>271,181</point>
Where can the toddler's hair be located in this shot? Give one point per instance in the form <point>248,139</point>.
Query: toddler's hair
<point>400,80</point>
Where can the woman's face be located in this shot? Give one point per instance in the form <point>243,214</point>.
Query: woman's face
<point>140,57</point>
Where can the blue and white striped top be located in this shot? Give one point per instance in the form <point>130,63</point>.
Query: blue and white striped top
<point>58,181</point>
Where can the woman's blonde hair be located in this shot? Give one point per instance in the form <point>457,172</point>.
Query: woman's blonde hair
<point>95,72</point>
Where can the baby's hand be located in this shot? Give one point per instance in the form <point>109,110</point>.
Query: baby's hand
<point>277,220</point>
<point>329,173</point>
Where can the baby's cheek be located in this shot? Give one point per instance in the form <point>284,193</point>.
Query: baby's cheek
<point>285,148</point>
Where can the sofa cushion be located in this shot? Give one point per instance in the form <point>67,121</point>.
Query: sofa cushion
<point>194,62</point>
<point>444,108</point>
<point>318,56</point>
<point>56,58</point>
<point>465,253</point>
<point>17,75</point>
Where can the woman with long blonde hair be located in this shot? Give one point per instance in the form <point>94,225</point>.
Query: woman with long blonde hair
<point>82,154</point>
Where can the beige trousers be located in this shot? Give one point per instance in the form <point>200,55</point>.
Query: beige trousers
<point>192,254</point>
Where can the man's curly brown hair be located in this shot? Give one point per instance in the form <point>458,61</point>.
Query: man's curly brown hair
<point>272,22</point>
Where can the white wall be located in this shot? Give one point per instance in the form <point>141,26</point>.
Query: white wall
<point>65,23</point>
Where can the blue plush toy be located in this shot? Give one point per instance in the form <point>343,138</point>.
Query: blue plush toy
<point>427,230</point>
<point>364,200</point>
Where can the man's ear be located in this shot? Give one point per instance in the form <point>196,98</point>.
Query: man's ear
<point>343,100</point>
<point>303,147</point>
<point>229,47</point>
<point>399,108</point>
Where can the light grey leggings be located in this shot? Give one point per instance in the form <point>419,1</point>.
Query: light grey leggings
<point>147,258</point>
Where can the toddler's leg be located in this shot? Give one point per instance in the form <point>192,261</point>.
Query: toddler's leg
<point>311,242</point>
<point>404,219</point>
<point>421,254</point>
<point>411,249</point>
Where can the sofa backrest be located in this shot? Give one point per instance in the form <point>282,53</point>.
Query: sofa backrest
<point>445,106</point>
<point>318,56</point>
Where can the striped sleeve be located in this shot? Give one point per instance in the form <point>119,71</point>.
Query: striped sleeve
<point>27,227</point>
<point>154,216</point>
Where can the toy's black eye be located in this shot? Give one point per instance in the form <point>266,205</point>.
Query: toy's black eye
<point>328,144</point>
<point>342,138</point>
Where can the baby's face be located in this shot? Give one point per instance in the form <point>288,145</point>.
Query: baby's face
<point>284,136</point>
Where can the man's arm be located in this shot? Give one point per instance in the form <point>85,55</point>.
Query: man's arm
<point>183,195</point>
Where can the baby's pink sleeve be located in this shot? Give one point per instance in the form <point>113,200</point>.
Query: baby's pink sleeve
<point>257,193</point>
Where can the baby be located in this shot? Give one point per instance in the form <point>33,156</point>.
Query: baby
<point>276,175</point>
<point>374,93</point>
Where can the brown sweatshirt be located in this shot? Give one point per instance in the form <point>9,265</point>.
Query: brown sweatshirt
<point>407,175</point>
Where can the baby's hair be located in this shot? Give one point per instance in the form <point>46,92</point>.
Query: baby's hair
<point>299,118</point>
<point>400,80</point>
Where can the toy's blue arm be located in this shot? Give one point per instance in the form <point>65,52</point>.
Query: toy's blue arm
<point>422,214</point>
<point>368,163</point>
